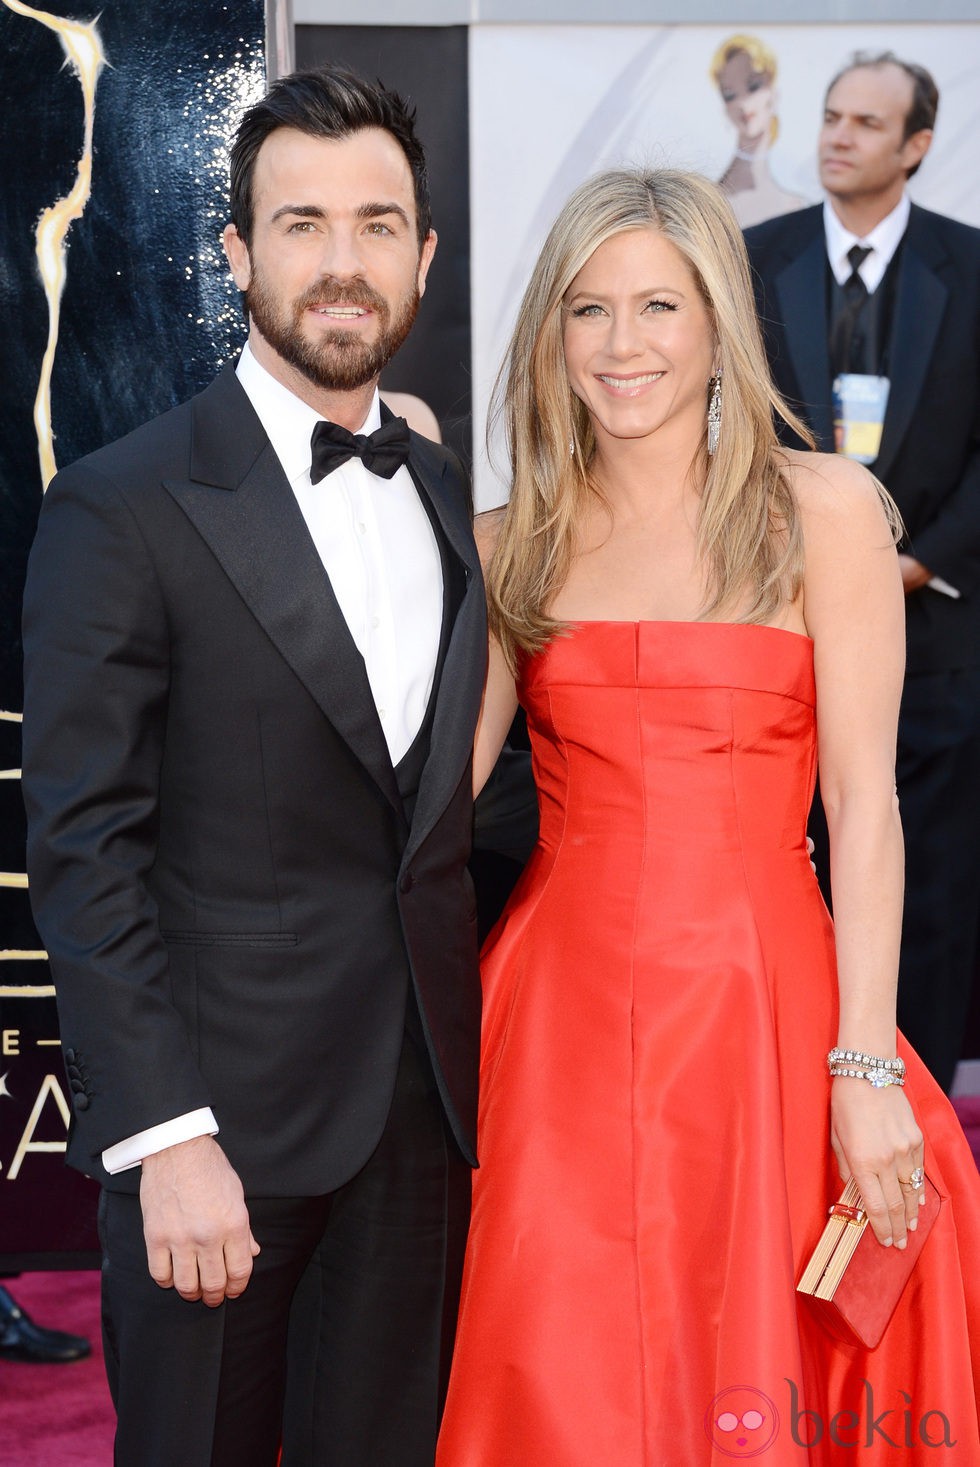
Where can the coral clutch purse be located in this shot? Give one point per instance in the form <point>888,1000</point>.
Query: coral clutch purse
<point>853,1283</point>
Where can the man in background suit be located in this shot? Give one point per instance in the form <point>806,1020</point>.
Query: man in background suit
<point>255,649</point>
<point>873,286</point>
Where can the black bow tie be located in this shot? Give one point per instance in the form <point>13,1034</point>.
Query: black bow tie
<point>383,451</point>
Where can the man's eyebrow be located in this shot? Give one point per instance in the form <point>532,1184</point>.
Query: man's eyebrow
<point>365,211</point>
<point>857,116</point>
<point>305,211</point>
<point>377,211</point>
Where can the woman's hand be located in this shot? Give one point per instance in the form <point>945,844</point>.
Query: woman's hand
<point>877,1141</point>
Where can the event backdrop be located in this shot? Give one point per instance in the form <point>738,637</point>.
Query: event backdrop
<point>118,305</point>
<point>551,104</point>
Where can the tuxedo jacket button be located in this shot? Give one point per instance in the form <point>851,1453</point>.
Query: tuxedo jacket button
<point>82,1102</point>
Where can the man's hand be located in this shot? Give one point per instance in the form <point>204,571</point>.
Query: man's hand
<point>198,1239</point>
<point>914,573</point>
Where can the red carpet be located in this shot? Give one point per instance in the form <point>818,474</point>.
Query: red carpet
<point>967,1107</point>
<point>56,1415</point>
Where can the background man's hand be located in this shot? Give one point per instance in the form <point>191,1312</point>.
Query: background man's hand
<point>198,1239</point>
<point>914,573</point>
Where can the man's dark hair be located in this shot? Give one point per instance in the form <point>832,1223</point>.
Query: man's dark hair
<point>328,102</point>
<point>925,94</point>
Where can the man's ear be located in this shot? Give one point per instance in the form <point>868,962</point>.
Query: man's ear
<point>425,258</point>
<point>238,257</point>
<point>915,147</point>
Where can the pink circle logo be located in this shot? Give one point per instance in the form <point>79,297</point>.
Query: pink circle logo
<point>741,1422</point>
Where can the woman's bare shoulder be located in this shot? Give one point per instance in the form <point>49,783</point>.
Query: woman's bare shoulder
<point>832,490</point>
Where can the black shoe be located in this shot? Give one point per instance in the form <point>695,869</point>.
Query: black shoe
<point>22,1339</point>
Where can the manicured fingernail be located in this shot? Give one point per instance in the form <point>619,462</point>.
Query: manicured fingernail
<point>912,1224</point>
<point>902,1244</point>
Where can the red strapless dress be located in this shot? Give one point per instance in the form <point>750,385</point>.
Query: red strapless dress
<point>660,996</point>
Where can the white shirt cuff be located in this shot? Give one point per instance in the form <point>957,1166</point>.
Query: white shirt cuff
<point>124,1155</point>
<point>938,584</point>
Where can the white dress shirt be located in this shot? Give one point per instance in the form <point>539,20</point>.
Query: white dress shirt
<point>380,552</point>
<point>883,240</point>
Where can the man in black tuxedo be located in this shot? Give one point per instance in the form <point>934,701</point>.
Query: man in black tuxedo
<point>872,287</point>
<point>255,651</point>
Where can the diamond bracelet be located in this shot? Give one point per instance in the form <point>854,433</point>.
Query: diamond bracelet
<point>855,1064</point>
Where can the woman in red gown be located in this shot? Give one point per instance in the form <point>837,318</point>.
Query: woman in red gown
<point>689,613</point>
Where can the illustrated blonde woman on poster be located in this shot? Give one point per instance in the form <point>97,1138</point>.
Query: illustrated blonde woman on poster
<point>744,71</point>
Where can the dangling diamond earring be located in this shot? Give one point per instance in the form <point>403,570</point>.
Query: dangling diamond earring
<point>571,447</point>
<point>714,412</point>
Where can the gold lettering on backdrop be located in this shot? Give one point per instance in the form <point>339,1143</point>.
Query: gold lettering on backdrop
<point>52,1087</point>
<point>11,1041</point>
<point>82,46</point>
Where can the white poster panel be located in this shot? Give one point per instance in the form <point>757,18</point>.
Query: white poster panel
<point>551,104</point>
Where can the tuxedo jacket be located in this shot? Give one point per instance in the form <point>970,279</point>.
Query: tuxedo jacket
<point>930,447</point>
<point>235,906</point>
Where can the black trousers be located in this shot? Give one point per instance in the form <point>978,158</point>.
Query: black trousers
<point>938,775</point>
<point>378,1262</point>
<point>938,778</point>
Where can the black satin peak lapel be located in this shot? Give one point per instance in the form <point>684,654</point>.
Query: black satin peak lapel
<point>801,291</point>
<point>259,537</point>
<point>461,683</point>
<point>920,301</point>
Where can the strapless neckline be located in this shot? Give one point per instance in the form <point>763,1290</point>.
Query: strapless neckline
<point>581,623</point>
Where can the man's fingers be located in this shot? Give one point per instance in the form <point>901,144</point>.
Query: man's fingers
<point>187,1278</point>
<point>238,1256</point>
<point>214,1277</point>
<point>160,1265</point>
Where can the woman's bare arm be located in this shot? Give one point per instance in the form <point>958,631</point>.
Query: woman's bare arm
<point>500,693</point>
<point>854,611</point>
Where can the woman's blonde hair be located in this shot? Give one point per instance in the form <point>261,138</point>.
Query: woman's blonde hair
<point>748,526</point>
<point>761,59</point>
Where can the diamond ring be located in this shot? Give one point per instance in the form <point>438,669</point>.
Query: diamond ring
<point>915,1182</point>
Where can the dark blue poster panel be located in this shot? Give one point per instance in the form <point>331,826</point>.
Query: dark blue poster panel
<point>116,304</point>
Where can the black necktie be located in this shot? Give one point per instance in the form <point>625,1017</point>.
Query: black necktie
<point>854,286</point>
<point>847,346</point>
<point>383,451</point>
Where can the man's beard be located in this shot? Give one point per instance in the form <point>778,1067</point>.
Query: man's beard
<point>338,361</point>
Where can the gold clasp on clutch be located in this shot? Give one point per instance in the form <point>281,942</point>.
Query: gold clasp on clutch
<point>855,1215</point>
